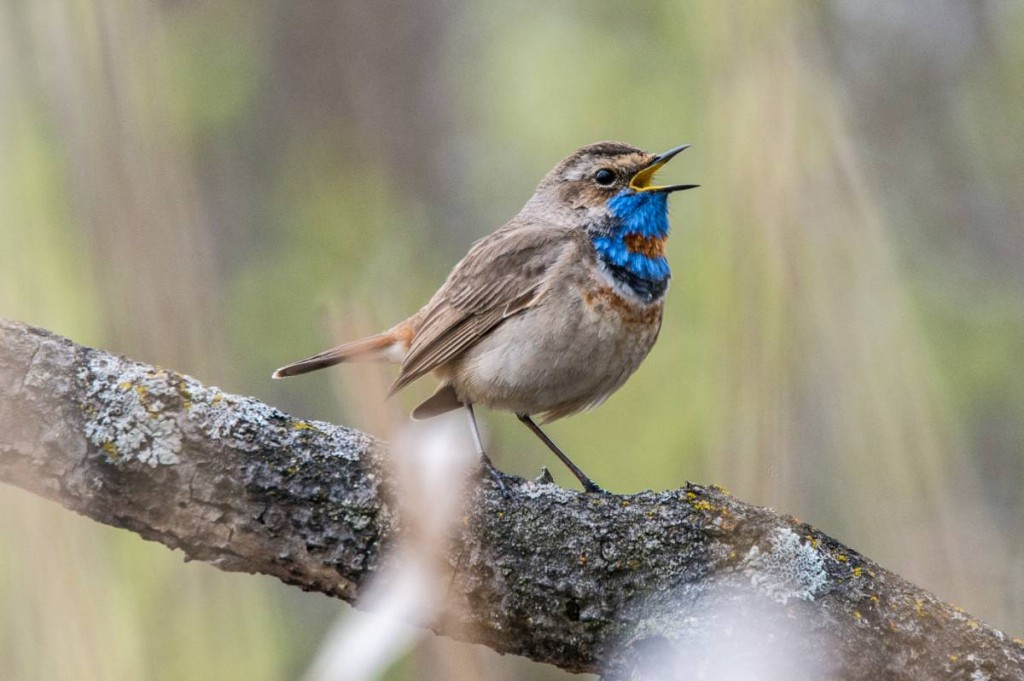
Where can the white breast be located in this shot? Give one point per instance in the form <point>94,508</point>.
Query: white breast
<point>562,356</point>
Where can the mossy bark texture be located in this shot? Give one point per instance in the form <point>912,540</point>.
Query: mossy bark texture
<point>686,584</point>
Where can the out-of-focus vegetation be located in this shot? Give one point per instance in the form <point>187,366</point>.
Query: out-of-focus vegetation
<point>222,187</point>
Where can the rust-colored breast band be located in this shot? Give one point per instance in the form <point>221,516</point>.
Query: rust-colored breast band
<point>650,246</point>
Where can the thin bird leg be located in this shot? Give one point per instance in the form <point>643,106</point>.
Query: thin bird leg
<point>588,484</point>
<point>486,460</point>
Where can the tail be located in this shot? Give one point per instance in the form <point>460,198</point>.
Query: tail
<point>389,346</point>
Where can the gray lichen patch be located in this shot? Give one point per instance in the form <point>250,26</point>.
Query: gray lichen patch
<point>247,424</point>
<point>789,568</point>
<point>240,422</point>
<point>135,412</point>
<point>123,410</point>
<point>547,490</point>
<point>232,419</point>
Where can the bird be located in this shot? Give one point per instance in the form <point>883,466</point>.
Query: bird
<point>551,313</point>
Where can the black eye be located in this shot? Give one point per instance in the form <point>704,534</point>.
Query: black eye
<point>604,177</point>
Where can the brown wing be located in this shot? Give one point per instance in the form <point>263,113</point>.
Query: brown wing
<point>502,274</point>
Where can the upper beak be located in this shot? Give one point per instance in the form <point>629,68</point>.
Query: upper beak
<point>641,181</point>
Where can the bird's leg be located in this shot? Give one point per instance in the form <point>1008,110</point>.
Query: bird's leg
<point>588,484</point>
<point>486,460</point>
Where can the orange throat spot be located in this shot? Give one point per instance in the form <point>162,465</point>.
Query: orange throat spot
<point>650,246</point>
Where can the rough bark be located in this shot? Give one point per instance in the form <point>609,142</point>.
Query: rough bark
<point>689,583</point>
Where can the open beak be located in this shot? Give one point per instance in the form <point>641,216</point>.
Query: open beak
<point>641,181</point>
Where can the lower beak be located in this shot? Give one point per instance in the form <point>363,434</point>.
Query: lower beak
<point>641,181</point>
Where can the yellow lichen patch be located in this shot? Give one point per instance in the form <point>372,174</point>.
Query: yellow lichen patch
<point>873,598</point>
<point>217,398</point>
<point>857,571</point>
<point>125,385</point>
<point>954,658</point>
<point>1018,641</point>
<point>973,624</point>
<point>303,425</point>
<point>856,615</point>
<point>624,504</point>
<point>143,394</point>
<point>842,557</point>
<point>110,449</point>
<point>690,496</point>
<point>919,607</point>
<point>583,559</point>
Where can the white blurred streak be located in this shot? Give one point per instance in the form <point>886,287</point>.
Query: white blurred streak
<point>358,649</point>
<point>736,641</point>
<point>753,631</point>
<point>431,461</point>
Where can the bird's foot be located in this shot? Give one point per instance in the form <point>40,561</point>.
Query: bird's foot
<point>588,485</point>
<point>494,473</point>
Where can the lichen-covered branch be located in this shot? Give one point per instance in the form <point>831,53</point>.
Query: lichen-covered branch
<point>688,584</point>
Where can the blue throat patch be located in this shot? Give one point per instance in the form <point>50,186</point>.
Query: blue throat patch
<point>639,217</point>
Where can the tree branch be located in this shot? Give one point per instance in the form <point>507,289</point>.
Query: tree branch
<point>663,585</point>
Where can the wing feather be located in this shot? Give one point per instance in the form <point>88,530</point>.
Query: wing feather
<point>501,275</point>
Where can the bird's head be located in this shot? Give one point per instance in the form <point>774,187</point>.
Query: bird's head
<point>605,184</point>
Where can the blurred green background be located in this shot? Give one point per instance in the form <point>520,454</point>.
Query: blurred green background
<point>221,187</point>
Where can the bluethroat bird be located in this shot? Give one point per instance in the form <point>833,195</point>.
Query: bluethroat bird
<point>550,314</point>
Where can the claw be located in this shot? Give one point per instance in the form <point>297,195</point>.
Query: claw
<point>494,473</point>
